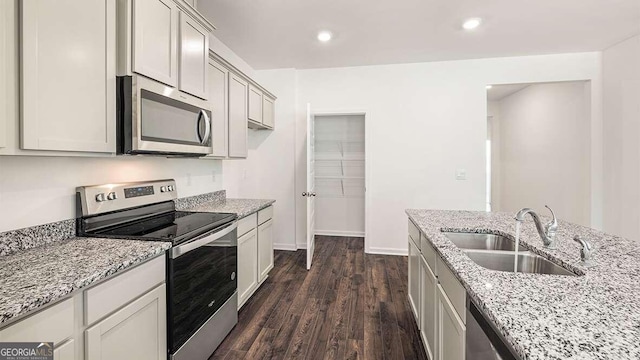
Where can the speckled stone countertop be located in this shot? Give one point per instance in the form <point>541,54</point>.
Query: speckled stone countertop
<point>592,316</point>
<point>240,207</point>
<point>32,278</point>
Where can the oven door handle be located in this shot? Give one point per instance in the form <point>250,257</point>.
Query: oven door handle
<point>180,250</point>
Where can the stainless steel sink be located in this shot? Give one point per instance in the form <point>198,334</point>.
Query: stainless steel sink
<point>527,262</point>
<point>482,241</point>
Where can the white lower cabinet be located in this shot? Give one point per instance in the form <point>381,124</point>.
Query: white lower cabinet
<point>66,351</point>
<point>265,249</point>
<point>247,265</point>
<point>428,308</point>
<point>451,330</point>
<point>255,252</point>
<point>437,300</point>
<point>122,318</point>
<point>414,279</point>
<point>135,332</point>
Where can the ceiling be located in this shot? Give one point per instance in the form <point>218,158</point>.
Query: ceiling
<point>499,92</point>
<point>282,33</point>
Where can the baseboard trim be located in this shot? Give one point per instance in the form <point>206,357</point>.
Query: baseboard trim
<point>301,246</point>
<point>387,251</point>
<point>340,233</point>
<point>287,247</point>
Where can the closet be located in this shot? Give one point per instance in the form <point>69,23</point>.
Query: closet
<point>340,174</point>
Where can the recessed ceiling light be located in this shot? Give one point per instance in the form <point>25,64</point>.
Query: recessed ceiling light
<point>324,36</point>
<point>471,24</point>
<point>489,87</point>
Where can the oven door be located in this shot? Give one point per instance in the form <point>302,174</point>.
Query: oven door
<point>159,119</point>
<point>201,278</point>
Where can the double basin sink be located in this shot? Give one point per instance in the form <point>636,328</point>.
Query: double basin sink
<point>497,252</point>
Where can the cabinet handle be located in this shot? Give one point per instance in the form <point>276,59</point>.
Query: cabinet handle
<point>305,194</point>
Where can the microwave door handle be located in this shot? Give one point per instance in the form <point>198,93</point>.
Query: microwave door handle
<point>207,128</point>
<point>207,123</point>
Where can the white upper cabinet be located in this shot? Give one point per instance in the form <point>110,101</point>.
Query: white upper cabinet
<point>194,57</point>
<point>268,112</point>
<point>238,91</point>
<point>68,75</point>
<point>255,104</point>
<point>218,88</point>
<point>155,40</point>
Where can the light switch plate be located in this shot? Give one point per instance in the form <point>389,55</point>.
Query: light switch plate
<point>461,174</point>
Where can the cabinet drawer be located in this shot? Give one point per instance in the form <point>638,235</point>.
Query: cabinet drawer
<point>51,324</point>
<point>265,215</point>
<point>453,289</point>
<point>113,294</point>
<point>414,233</point>
<point>247,224</point>
<point>429,253</point>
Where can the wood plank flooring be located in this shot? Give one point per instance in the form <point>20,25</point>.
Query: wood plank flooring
<point>348,306</point>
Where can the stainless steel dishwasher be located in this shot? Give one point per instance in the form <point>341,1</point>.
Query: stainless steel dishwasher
<point>483,341</point>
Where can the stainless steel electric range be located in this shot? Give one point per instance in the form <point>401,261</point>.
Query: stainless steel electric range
<point>202,297</point>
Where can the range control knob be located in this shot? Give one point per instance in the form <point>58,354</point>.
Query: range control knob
<point>171,187</point>
<point>100,197</point>
<point>112,196</point>
<point>163,189</point>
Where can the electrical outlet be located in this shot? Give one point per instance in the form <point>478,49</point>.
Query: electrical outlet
<point>461,174</point>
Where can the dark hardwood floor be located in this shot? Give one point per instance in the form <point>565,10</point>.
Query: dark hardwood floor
<point>348,306</point>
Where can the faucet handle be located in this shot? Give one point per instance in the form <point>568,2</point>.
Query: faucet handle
<point>585,251</point>
<point>552,226</point>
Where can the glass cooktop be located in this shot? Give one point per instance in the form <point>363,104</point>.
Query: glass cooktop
<point>174,226</point>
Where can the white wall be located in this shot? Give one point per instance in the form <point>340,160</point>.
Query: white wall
<point>268,170</point>
<point>39,190</point>
<point>543,145</point>
<point>621,83</point>
<point>425,121</point>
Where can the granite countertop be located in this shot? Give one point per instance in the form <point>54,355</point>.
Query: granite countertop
<point>241,207</point>
<point>592,316</point>
<point>41,275</point>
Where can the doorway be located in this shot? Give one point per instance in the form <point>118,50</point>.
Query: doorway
<point>538,148</point>
<point>339,152</point>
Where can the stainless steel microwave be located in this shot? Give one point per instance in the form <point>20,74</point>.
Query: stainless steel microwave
<point>153,118</point>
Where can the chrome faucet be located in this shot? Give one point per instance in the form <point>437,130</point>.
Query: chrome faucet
<point>546,232</point>
<point>585,251</point>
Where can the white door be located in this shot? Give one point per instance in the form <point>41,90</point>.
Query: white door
<point>310,193</point>
<point>194,55</point>
<point>138,331</point>
<point>155,40</point>
<point>68,73</point>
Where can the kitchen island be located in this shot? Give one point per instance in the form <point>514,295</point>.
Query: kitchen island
<point>593,315</point>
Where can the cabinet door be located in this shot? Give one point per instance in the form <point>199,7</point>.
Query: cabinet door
<point>268,112</point>
<point>255,104</point>
<point>265,249</point>
<point>155,40</point>
<point>68,74</point>
<point>428,307</point>
<point>414,280</point>
<point>66,351</point>
<point>451,330</point>
<point>138,331</point>
<point>247,265</point>
<point>218,88</point>
<point>194,57</point>
<point>238,92</point>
